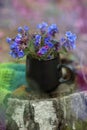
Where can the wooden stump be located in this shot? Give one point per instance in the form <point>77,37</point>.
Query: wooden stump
<point>64,113</point>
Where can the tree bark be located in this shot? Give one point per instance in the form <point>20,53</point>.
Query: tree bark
<point>66,113</point>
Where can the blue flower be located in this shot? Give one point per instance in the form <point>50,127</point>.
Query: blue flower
<point>18,38</point>
<point>49,57</point>
<point>48,42</point>
<point>68,34</point>
<point>13,45</point>
<point>73,45</point>
<point>20,29</point>
<point>70,41</point>
<point>20,54</point>
<point>16,53</point>
<point>13,54</point>
<point>42,26</point>
<point>43,42</point>
<point>42,50</point>
<point>69,45</point>
<point>72,38</point>
<point>66,45</point>
<point>8,40</point>
<point>26,28</point>
<point>52,29</point>
<point>37,39</point>
<point>62,39</point>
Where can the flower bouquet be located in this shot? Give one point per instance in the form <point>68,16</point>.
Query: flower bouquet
<point>43,66</point>
<point>41,45</point>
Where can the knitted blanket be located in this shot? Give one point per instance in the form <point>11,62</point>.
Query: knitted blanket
<point>12,76</point>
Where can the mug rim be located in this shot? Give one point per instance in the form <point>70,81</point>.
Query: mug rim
<point>57,57</point>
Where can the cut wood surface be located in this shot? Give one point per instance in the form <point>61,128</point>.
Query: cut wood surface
<point>64,113</point>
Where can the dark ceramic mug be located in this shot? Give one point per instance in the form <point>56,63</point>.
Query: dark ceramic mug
<point>46,75</point>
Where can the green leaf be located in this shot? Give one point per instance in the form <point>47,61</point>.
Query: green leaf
<point>62,52</point>
<point>64,49</point>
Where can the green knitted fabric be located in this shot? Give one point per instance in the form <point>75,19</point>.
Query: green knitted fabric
<point>3,93</point>
<point>12,76</point>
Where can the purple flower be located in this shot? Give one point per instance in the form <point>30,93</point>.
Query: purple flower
<point>8,40</point>
<point>43,50</point>
<point>18,38</point>
<point>42,26</point>
<point>53,29</point>
<point>57,45</point>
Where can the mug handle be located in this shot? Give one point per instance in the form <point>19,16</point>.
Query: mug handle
<point>72,73</point>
